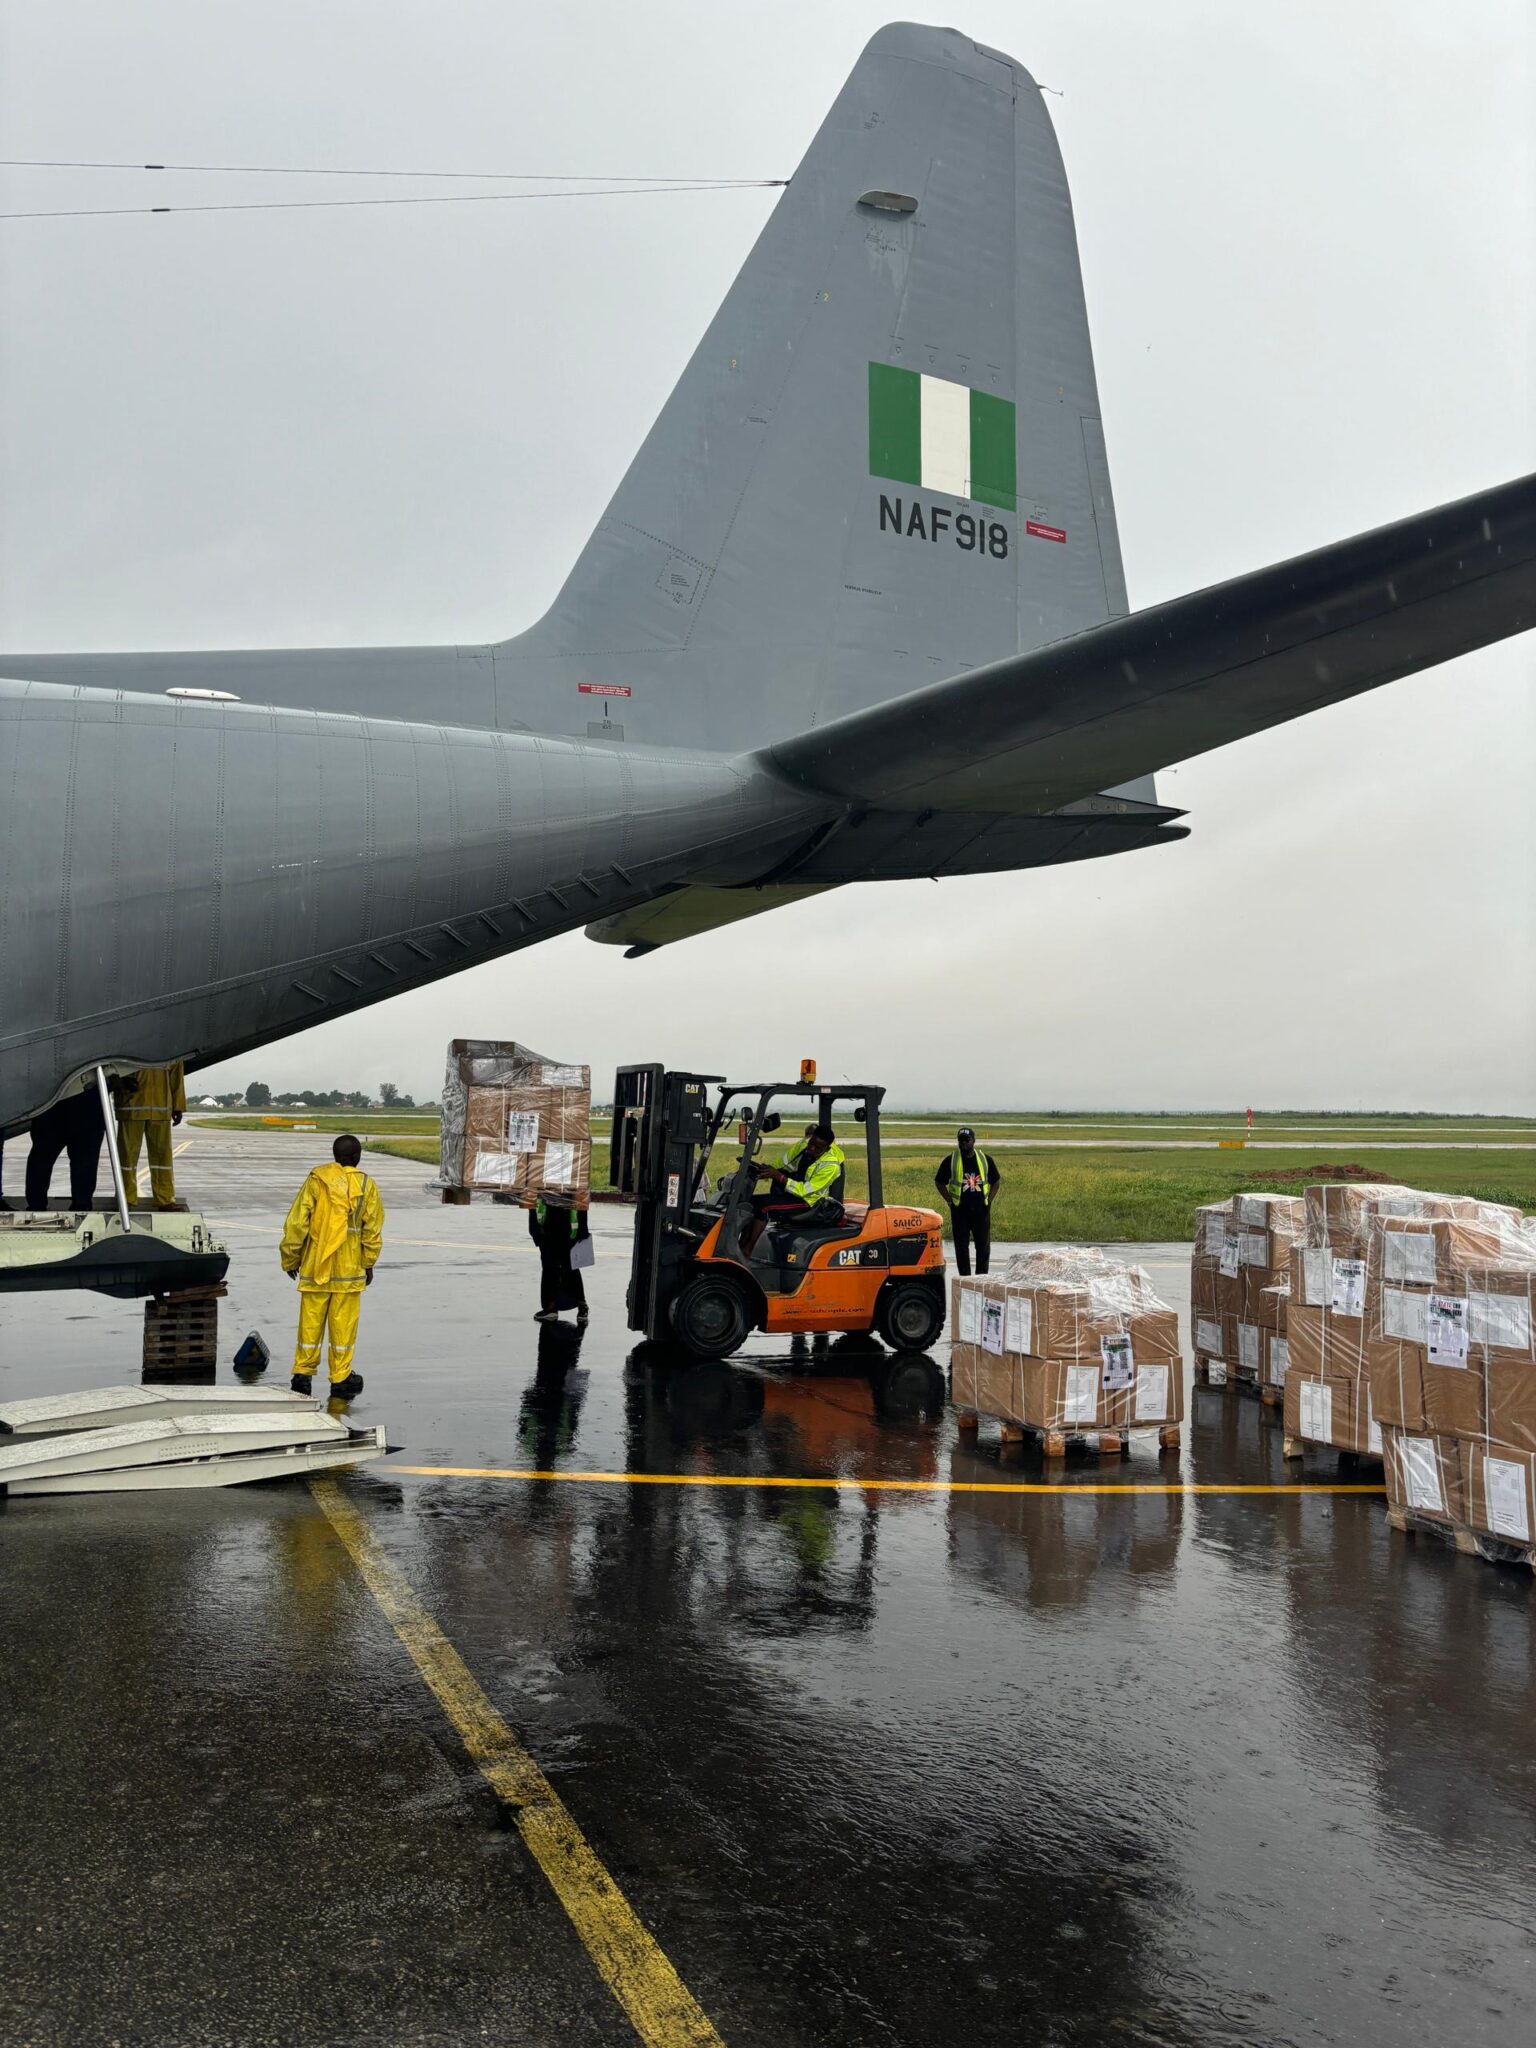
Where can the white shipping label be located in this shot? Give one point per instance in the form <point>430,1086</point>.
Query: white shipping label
<point>559,1165</point>
<point>1253,1211</point>
<point>1152,1394</point>
<point>1230,1257</point>
<point>1408,1255</point>
<point>1503,1319</point>
<point>563,1077</point>
<point>1316,1279</point>
<point>1421,1474</point>
<point>1372,1427</point>
<point>1082,1399</point>
<point>1019,1325</point>
<point>1508,1509</point>
<point>1348,1293</point>
<point>1317,1411</point>
<point>523,1130</point>
<point>1119,1367</point>
<point>1213,1233</point>
<point>1248,1346</point>
<point>497,1169</point>
<point>1208,1338</point>
<point>970,1316</point>
<point>992,1327</point>
<point>1446,1315</point>
<point>1404,1315</point>
<point>1279,1361</point>
<point>1253,1248</point>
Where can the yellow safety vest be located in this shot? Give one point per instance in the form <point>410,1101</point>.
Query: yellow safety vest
<point>956,1186</point>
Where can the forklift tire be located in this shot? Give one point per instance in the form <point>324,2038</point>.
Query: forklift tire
<point>710,1316</point>
<point>909,1315</point>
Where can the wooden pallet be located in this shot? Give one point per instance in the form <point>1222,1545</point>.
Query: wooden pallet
<point>1470,1542</point>
<point>1055,1443</point>
<point>1299,1446</point>
<point>181,1331</point>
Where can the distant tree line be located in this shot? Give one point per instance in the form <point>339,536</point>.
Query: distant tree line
<point>260,1096</point>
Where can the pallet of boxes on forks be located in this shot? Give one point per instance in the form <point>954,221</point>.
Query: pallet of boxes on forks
<point>1239,1280</point>
<point>1067,1345</point>
<point>514,1124</point>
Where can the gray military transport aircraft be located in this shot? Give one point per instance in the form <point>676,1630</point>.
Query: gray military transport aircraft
<point>855,613</point>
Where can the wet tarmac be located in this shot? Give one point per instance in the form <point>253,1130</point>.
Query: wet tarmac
<point>896,1763</point>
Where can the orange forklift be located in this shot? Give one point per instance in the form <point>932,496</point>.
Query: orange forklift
<point>705,1273</point>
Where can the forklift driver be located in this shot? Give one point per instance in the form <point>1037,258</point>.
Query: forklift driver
<point>810,1174</point>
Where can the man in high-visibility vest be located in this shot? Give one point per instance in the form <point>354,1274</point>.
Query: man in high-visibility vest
<point>813,1172</point>
<point>331,1244</point>
<point>148,1103</point>
<point>969,1180</point>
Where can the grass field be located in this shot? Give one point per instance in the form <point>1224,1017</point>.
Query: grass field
<point>1119,1190</point>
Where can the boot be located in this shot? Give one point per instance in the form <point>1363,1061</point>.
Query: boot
<point>343,1390</point>
<point>303,1383</point>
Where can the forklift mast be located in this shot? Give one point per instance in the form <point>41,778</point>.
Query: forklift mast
<point>661,1123</point>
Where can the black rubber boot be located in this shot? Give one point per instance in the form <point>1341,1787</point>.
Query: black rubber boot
<point>343,1390</point>
<point>302,1383</point>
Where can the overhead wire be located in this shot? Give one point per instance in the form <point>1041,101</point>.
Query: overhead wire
<point>559,184</point>
<point>50,163</point>
<point>402,199</point>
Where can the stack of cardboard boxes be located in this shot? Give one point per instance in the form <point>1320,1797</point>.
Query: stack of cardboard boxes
<point>515,1123</point>
<point>1069,1343</point>
<point>1411,1339</point>
<point>1239,1283</point>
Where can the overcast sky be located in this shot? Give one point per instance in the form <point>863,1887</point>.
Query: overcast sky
<point>1309,244</point>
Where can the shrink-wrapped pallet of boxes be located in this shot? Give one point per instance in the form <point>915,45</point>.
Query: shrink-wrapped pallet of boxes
<point>514,1124</point>
<point>1450,1292</point>
<point>1327,1392</point>
<point>1240,1270</point>
<point>1067,1345</point>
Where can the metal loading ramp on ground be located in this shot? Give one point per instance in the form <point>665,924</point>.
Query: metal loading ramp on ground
<point>107,1407</point>
<point>186,1450</point>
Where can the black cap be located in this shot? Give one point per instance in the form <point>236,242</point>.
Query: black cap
<point>825,1132</point>
<point>965,1132</point>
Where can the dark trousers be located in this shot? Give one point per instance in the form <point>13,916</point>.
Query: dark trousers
<point>972,1226</point>
<point>73,1125</point>
<point>560,1284</point>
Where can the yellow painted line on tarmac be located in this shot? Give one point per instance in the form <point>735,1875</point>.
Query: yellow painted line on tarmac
<point>854,1485</point>
<point>659,2005</point>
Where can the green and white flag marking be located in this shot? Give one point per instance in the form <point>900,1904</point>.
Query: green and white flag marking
<point>942,436</point>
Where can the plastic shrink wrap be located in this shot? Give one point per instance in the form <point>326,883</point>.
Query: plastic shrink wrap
<point>1066,1340</point>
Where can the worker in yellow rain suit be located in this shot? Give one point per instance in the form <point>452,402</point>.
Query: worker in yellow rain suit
<point>148,1103</point>
<point>331,1244</point>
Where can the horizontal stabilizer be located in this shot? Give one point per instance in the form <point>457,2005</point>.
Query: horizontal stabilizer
<point>1035,731</point>
<point>686,913</point>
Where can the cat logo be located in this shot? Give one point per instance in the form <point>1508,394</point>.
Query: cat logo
<point>860,1255</point>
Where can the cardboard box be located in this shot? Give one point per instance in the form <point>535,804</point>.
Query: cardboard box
<point>515,1122</point>
<point>1500,1487</point>
<point>1337,1210</point>
<point>1453,1399</point>
<point>1323,1345</point>
<point>1336,1412</point>
<point>1204,1272</point>
<point>1424,1475</point>
<point>1509,1404</point>
<point>1265,1292</point>
<point>1396,1375</point>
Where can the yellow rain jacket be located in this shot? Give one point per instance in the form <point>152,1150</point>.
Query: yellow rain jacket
<point>155,1093</point>
<point>335,1230</point>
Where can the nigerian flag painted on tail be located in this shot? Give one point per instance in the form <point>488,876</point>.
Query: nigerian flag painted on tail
<point>941,436</point>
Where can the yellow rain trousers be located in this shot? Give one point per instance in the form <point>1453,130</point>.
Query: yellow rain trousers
<point>331,1241</point>
<point>144,1121</point>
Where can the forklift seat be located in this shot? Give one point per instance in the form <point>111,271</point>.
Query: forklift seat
<point>792,1241</point>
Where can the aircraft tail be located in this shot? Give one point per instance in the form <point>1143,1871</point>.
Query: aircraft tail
<point>884,462</point>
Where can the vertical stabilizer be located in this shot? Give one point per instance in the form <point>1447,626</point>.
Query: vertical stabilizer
<point>884,462</point>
